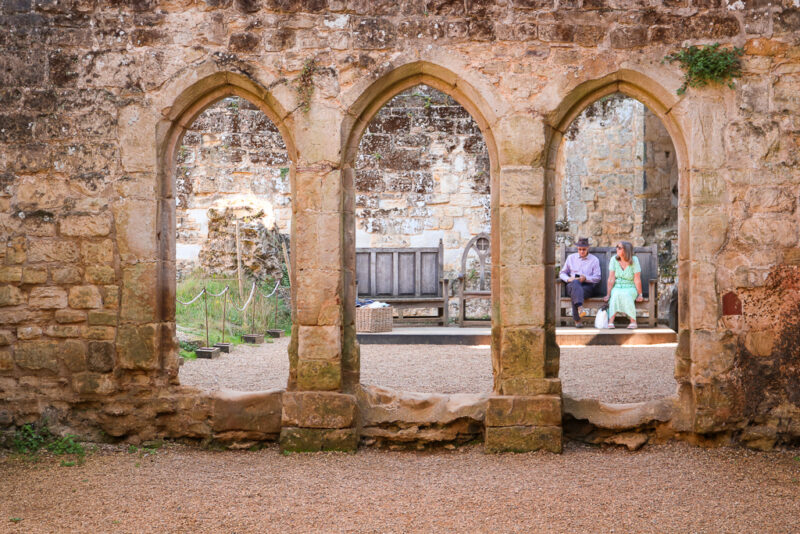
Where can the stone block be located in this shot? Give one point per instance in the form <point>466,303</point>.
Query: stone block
<point>520,140</point>
<point>137,138</point>
<point>34,276</point>
<point>318,301</point>
<point>100,356</point>
<point>66,275</point>
<point>312,409</point>
<point>97,252</point>
<point>56,250</point>
<point>110,297</point>
<point>253,412</point>
<point>102,318</point>
<point>135,222</point>
<point>255,339</point>
<point>523,439</point>
<point>528,386</point>
<point>522,295</point>
<point>6,338</point>
<point>11,296</point>
<point>521,235</point>
<point>6,360</point>
<point>37,355</point>
<point>319,343</point>
<point>86,225</point>
<point>317,375</point>
<point>70,316</point>
<point>317,439</point>
<point>99,332</point>
<point>93,384</point>
<point>138,292</point>
<point>540,410</point>
<point>522,353</point>
<point>63,330</point>
<point>85,297</point>
<point>73,354</point>
<point>47,298</point>
<point>521,186</point>
<point>29,332</point>
<point>138,347</point>
<point>11,273</point>
<point>16,250</point>
<point>100,274</point>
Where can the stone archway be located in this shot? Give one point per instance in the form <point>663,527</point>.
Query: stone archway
<point>659,101</point>
<point>188,105</point>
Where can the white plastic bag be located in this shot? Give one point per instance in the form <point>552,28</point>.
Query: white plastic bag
<point>601,321</point>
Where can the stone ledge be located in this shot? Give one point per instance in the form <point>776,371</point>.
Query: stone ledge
<point>379,405</point>
<point>253,412</point>
<point>523,439</point>
<point>620,416</point>
<point>512,411</point>
<point>318,409</point>
<point>293,439</point>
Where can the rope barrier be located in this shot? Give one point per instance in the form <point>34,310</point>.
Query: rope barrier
<point>250,298</point>
<point>273,290</point>
<point>194,299</point>
<point>218,294</point>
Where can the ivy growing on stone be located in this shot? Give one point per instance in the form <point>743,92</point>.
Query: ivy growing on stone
<point>707,64</point>
<point>305,83</point>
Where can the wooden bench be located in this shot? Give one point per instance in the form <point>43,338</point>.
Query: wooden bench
<point>405,278</point>
<point>481,245</point>
<point>648,261</point>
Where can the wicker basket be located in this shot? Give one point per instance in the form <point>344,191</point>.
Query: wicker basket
<point>374,319</point>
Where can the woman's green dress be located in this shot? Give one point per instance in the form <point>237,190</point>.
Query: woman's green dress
<point>624,293</point>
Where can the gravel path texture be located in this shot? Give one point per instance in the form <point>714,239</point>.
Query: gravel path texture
<point>610,374</point>
<point>663,488</point>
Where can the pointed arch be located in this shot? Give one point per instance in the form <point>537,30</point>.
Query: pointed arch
<point>661,102</point>
<point>190,101</point>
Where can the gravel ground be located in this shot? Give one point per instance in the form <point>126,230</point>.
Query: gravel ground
<point>611,374</point>
<point>663,488</point>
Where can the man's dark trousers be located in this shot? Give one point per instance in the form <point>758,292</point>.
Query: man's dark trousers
<point>578,291</point>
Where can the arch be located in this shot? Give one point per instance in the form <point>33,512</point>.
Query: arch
<point>359,114</point>
<point>374,97</point>
<point>189,103</point>
<point>661,102</point>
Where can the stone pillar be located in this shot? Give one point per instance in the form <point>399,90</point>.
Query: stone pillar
<point>317,414</point>
<point>524,414</point>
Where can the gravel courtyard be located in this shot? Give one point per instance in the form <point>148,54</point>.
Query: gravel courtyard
<point>663,488</point>
<point>611,374</point>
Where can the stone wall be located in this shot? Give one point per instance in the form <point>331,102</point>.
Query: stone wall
<point>232,165</point>
<point>422,175</point>
<point>96,97</point>
<point>619,182</point>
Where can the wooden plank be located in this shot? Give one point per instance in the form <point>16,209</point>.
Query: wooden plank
<point>406,278</point>
<point>373,290</point>
<point>429,284</point>
<point>417,273</point>
<point>362,273</point>
<point>383,273</point>
<point>395,274</point>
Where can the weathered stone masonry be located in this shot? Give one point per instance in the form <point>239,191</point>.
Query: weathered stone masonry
<point>95,99</point>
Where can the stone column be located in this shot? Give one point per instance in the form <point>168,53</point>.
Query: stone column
<point>316,414</point>
<point>524,414</point>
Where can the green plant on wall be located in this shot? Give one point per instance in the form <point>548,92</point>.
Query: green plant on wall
<point>305,83</point>
<point>707,64</point>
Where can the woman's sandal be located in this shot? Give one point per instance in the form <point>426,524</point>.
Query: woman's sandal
<point>611,325</point>
<point>632,326</point>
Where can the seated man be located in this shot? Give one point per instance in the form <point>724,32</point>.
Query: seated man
<point>581,273</point>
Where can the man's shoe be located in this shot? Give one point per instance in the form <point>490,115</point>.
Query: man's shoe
<point>578,324</point>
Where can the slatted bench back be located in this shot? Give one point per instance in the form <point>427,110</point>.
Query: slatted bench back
<point>399,272</point>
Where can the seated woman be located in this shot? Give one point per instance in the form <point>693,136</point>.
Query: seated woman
<point>624,284</point>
